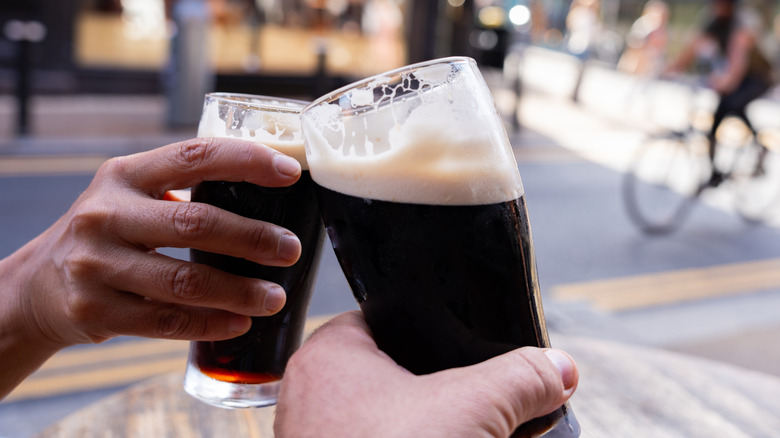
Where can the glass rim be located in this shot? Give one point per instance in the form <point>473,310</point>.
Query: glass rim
<point>258,101</point>
<point>395,72</point>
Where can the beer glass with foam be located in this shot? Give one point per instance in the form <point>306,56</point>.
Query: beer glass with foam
<point>422,199</point>
<point>246,371</point>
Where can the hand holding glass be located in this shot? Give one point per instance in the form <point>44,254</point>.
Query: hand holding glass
<point>423,202</point>
<point>246,371</point>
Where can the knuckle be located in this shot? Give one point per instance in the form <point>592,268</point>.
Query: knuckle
<point>117,166</point>
<point>80,309</point>
<point>187,282</point>
<point>249,298</point>
<point>91,215</point>
<point>544,385</point>
<point>84,313</point>
<point>191,220</point>
<point>176,323</point>
<point>78,267</point>
<point>192,153</point>
<point>81,267</point>
<point>259,237</point>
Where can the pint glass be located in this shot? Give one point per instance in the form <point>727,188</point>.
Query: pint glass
<point>246,371</point>
<point>422,199</point>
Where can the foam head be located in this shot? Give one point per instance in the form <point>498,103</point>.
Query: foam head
<point>427,134</point>
<point>272,121</point>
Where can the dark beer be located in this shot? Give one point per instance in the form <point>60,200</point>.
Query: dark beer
<point>441,286</point>
<point>463,277</point>
<point>422,199</point>
<point>261,355</point>
<point>246,371</point>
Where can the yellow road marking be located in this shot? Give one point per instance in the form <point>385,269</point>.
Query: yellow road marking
<point>95,378</point>
<point>50,165</point>
<point>675,286</point>
<point>109,365</point>
<point>80,357</point>
<point>254,429</point>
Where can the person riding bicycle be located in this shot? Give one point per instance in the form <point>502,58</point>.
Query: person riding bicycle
<point>738,71</point>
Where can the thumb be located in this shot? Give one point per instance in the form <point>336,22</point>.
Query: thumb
<point>516,387</point>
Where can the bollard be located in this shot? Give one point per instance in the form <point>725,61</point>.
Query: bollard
<point>190,75</point>
<point>321,83</point>
<point>24,34</point>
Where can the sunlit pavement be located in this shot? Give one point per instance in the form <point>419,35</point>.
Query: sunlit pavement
<point>708,290</point>
<point>598,274</point>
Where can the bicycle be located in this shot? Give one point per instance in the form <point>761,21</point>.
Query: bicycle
<point>671,170</point>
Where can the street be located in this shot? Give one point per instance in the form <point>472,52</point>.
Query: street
<point>582,236</point>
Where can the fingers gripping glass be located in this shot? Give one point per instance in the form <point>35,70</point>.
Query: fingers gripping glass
<point>423,202</point>
<point>246,371</point>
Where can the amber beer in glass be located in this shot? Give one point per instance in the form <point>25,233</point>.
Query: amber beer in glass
<point>246,371</point>
<point>422,199</point>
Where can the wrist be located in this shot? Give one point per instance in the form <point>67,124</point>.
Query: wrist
<point>23,346</point>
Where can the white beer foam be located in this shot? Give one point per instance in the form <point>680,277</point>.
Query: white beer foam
<point>421,150</point>
<point>277,130</point>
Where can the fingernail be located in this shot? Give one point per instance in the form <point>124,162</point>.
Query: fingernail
<point>289,247</point>
<point>285,165</point>
<point>565,366</point>
<point>239,324</point>
<point>275,299</point>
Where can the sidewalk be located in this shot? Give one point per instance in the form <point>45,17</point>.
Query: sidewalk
<point>627,99</point>
<point>83,125</point>
<point>605,126</point>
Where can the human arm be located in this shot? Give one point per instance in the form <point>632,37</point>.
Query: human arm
<point>688,54</point>
<point>95,274</point>
<point>340,384</point>
<point>740,45</point>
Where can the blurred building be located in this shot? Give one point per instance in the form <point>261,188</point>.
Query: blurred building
<point>128,45</point>
<point>290,46</point>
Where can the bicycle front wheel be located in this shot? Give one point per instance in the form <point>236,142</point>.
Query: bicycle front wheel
<point>664,178</point>
<point>756,179</point>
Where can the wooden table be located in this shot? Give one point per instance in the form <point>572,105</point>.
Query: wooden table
<point>625,391</point>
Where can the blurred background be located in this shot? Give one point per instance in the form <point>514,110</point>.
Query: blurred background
<point>84,80</point>
<point>307,47</point>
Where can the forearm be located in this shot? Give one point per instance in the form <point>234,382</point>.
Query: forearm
<point>683,60</point>
<point>738,54</point>
<point>687,55</point>
<point>22,349</point>
<point>93,274</point>
<point>20,359</point>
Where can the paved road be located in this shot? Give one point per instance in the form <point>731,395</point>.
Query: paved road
<point>581,233</point>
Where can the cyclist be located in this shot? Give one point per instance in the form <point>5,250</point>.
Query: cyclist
<point>739,72</point>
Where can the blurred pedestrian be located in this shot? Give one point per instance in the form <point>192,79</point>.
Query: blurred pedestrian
<point>539,21</point>
<point>776,45</point>
<point>382,23</point>
<point>584,28</point>
<point>645,53</point>
<point>583,25</point>
<point>728,49</point>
